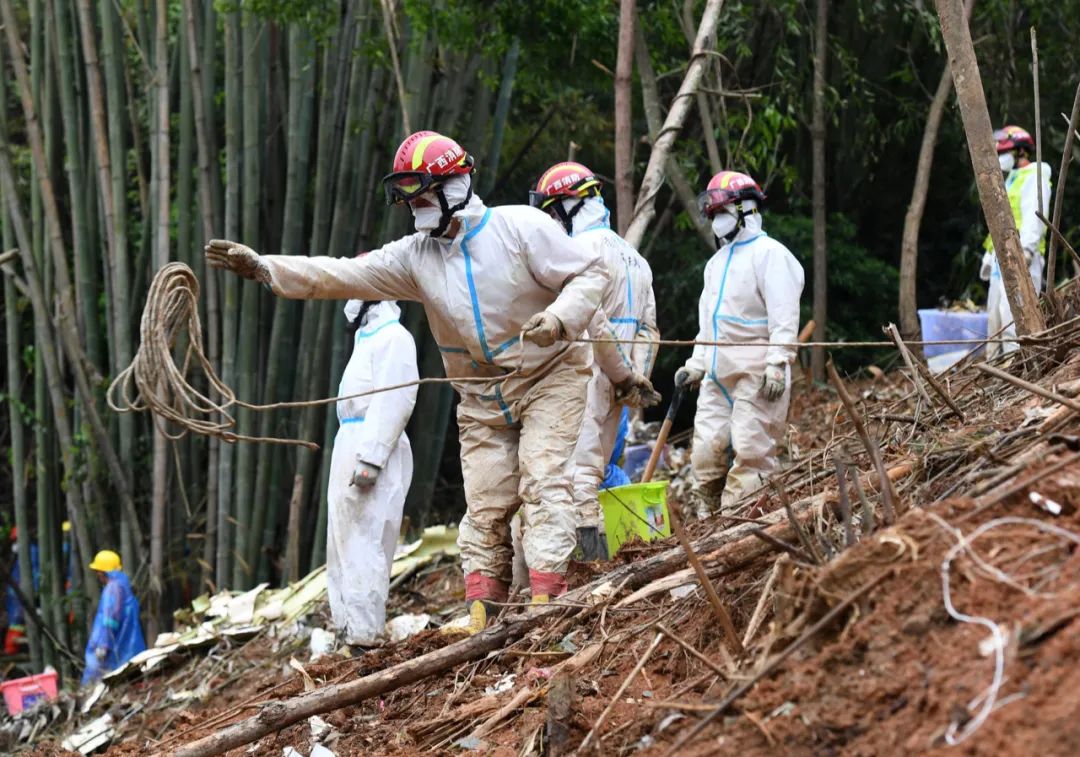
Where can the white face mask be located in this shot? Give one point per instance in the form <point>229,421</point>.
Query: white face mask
<point>1006,160</point>
<point>426,219</point>
<point>723,223</point>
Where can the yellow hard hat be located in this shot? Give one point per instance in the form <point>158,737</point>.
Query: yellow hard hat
<point>106,560</point>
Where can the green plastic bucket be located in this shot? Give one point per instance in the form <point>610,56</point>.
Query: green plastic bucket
<point>634,510</point>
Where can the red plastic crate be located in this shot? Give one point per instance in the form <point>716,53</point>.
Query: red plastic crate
<point>22,693</point>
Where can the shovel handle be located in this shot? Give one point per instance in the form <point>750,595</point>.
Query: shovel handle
<point>661,439</point>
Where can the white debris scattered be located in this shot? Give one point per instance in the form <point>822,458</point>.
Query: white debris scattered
<point>94,735</point>
<point>404,626</point>
<point>682,592</point>
<point>321,643</point>
<point>503,685</point>
<point>1045,503</point>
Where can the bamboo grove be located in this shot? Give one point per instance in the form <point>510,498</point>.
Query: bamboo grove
<point>131,131</point>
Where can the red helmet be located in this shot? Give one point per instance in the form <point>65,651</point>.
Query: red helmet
<point>727,188</point>
<point>424,159</point>
<point>564,180</point>
<point>1011,138</point>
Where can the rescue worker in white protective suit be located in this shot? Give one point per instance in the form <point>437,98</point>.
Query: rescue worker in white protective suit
<point>486,277</point>
<point>1015,147</point>
<point>570,192</point>
<point>752,290</point>
<point>370,469</point>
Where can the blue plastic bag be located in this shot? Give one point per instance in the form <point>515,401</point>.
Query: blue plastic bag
<point>613,474</point>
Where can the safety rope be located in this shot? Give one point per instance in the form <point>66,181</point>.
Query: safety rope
<point>156,383</point>
<point>162,387</point>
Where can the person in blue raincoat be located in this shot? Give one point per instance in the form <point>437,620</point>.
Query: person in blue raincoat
<point>117,635</point>
<point>15,637</point>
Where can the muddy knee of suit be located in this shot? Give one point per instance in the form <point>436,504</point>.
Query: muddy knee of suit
<point>551,421</point>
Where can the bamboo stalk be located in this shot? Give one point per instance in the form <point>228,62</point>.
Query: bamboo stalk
<point>645,208</point>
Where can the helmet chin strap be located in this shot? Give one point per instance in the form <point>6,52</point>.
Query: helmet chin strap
<point>740,222</point>
<point>447,211</point>
<point>567,216</point>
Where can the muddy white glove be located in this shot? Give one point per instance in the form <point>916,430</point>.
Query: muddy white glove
<point>687,377</point>
<point>364,475</point>
<point>238,258</point>
<point>636,391</point>
<point>543,329</point>
<point>101,653</point>
<point>774,382</point>
<point>987,266</point>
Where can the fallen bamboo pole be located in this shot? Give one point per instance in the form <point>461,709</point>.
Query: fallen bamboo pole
<point>871,448</point>
<point>1028,386</point>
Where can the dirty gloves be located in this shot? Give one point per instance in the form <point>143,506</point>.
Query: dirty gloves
<point>543,329</point>
<point>987,266</point>
<point>238,258</point>
<point>636,391</point>
<point>773,382</point>
<point>364,475</point>
<point>688,377</point>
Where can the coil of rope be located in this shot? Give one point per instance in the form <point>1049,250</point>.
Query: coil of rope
<point>156,383</point>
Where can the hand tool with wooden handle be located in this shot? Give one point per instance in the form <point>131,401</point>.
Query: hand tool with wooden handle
<point>676,525</point>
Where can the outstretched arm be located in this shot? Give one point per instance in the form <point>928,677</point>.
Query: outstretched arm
<point>381,275</point>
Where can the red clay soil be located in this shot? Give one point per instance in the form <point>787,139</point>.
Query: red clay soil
<point>886,679</point>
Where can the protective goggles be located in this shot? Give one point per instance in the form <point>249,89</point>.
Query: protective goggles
<point>405,186</point>
<point>543,200</point>
<point>711,200</point>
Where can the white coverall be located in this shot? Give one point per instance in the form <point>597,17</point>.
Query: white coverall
<point>518,428</point>
<point>363,523</point>
<point>752,290</point>
<point>1022,187</point>
<point>630,307</point>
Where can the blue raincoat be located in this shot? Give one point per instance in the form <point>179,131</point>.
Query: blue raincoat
<point>11,601</point>
<point>116,628</point>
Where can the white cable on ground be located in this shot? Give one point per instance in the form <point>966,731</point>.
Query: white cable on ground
<point>954,734</point>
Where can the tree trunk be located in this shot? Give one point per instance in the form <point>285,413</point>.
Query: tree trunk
<point>909,244</point>
<point>116,254</point>
<point>818,134</point>
<point>159,181</point>
<point>44,342</point>
<point>502,110</point>
<point>624,116</point>
<point>86,290</point>
<point>1059,196</point>
<point>651,100</point>
<point>645,208</point>
<point>281,359</point>
<point>97,117</point>
<point>686,19</point>
<point>65,319</point>
<point>206,206</point>
<point>246,534</point>
<point>15,416</point>
<point>318,316</point>
<point>980,139</point>
<point>227,570</point>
